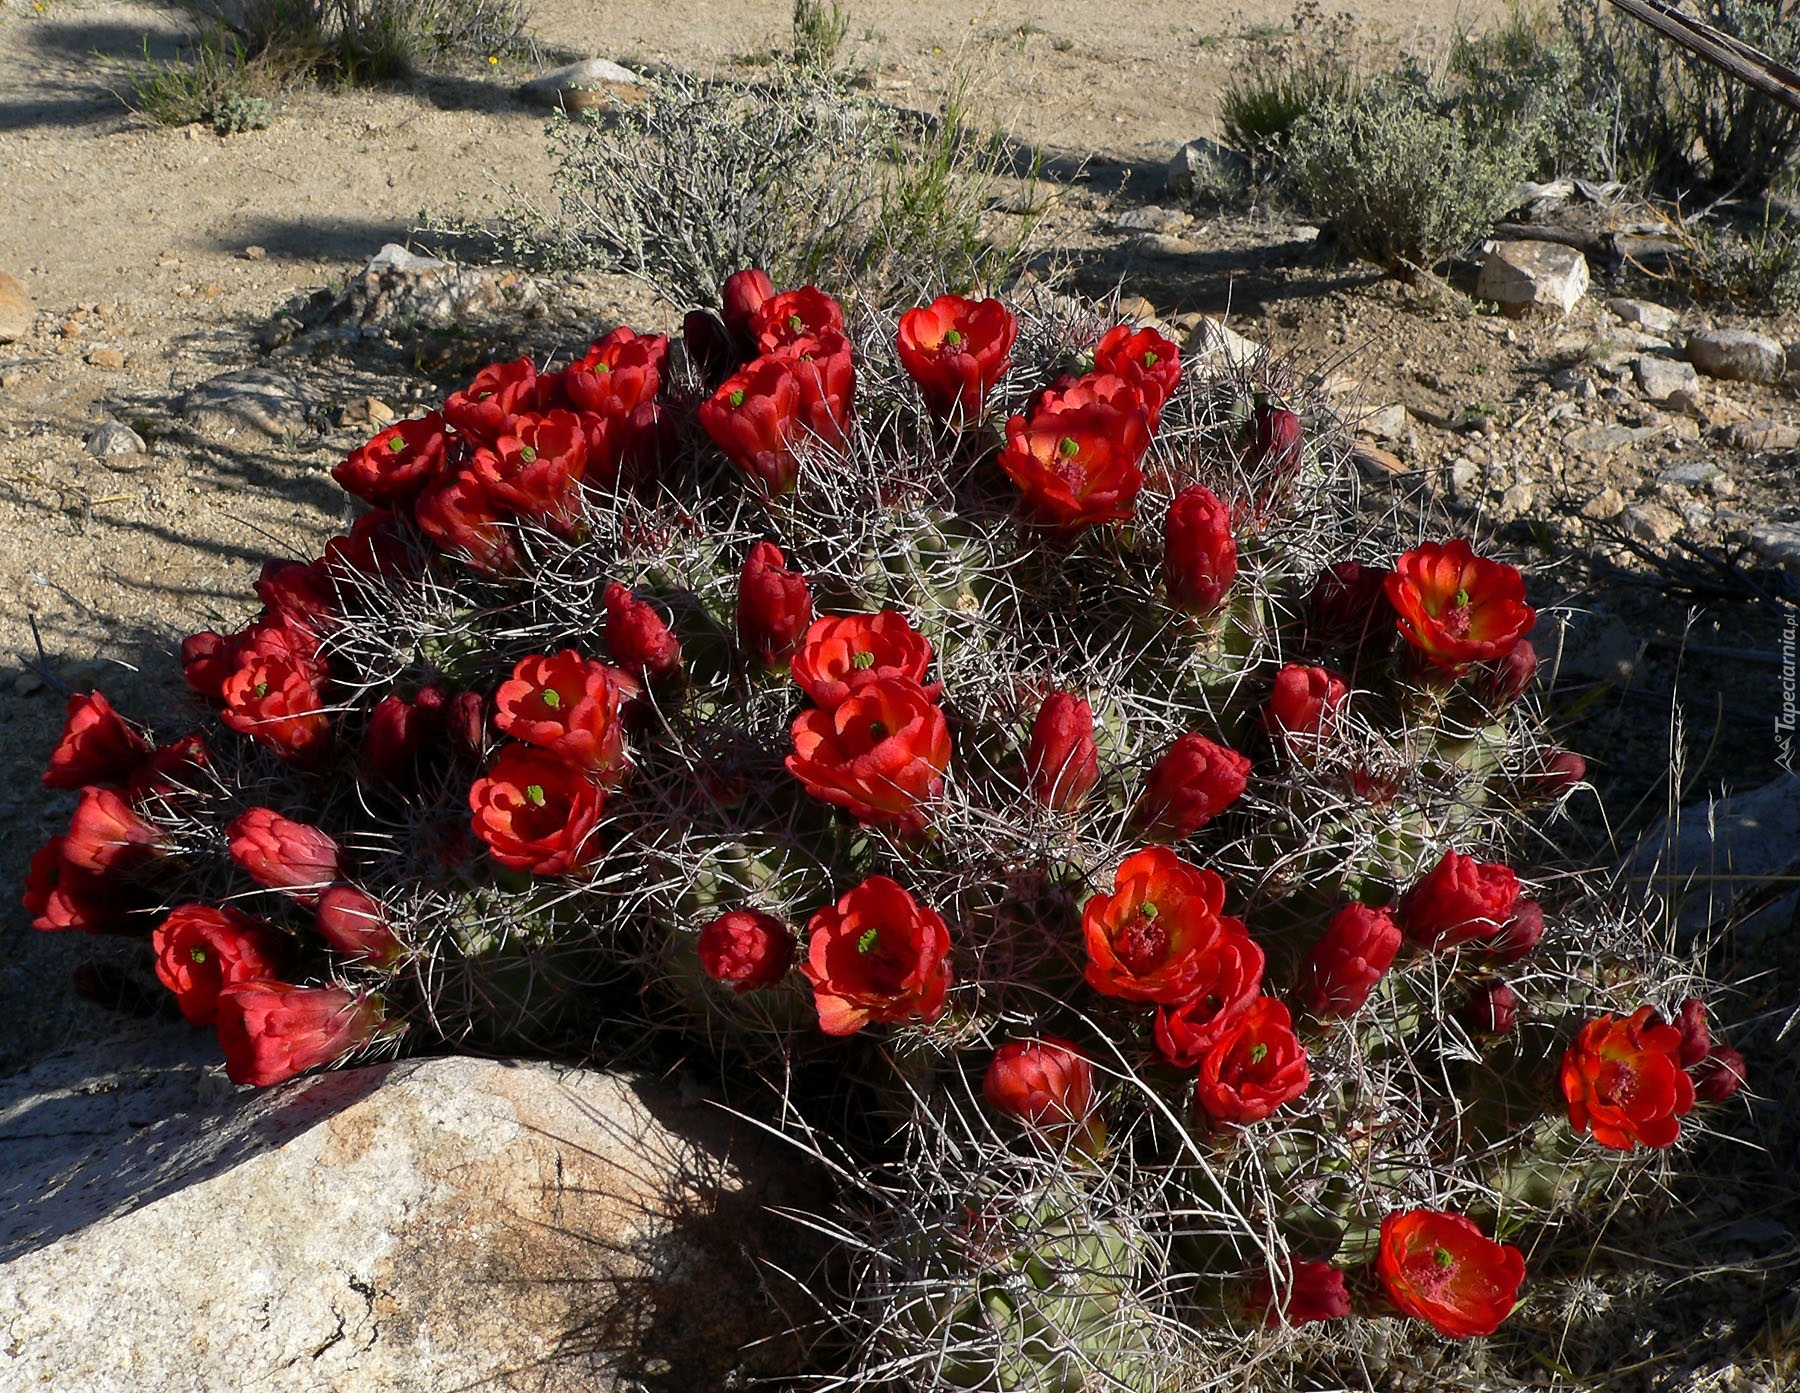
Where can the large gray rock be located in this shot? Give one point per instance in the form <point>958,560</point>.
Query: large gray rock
<point>1737,355</point>
<point>1715,855</point>
<point>1523,276</point>
<point>1646,315</point>
<point>1211,338</point>
<point>16,315</point>
<point>409,1228</point>
<point>255,401</point>
<point>577,86</point>
<point>1661,378</point>
<point>1204,165</point>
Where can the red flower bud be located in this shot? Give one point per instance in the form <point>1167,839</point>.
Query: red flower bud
<point>1078,467</point>
<point>1460,899</point>
<point>536,811</point>
<point>877,955</point>
<point>1458,608</point>
<point>271,1031</point>
<point>841,654</point>
<point>397,465</point>
<point>201,950</point>
<point>1696,1039</point>
<point>376,545</point>
<point>708,345</point>
<point>1312,1291</point>
<point>956,350</point>
<point>171,770</point>
<point>281,854</point>
<point>1523,931</point>
<point>1257,1065</point>
<point>1199,552</point>
<point>744,294</point>
<point>500,391</point>
<point>806,313</point>
<point>355,924</point>
<point>1347,608</point>
<point>1492,1008</point>
<point>459,515</point>
<point>1719,1075</point>
<point>1561,771</point>
<point>1509,678</point>
<point>774,606</point>
<point>1624,1083</point>
<point>60,897</point>
<point>97,747</point>
<point>1144,359</point>
<point>1193,782</point>
<point>1358,948</point>
<point>106,836</point>
<point>1062,763</point>
<point>206,661</point>
<point>1303,705</point>
<point>753,418</point>
<point>299,595</point>
<point>638,637</point>
<point>1442,1269</point>
<point>465,720</point>
<point>1274,454</point>
<point>398,731</point>
<point>747,948</point>
<point>1047,1082</point>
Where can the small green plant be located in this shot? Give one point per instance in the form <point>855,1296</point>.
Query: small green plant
<point>215,75</point>
<point>239,113</point>
<point>1292,75</point>
<point>1523,76</point>
<point>819,32</point>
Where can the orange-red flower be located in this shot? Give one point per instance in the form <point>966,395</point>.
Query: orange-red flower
<point>1045,1081</point>
<point>464,520</point>
<point>877,955</point>
<point>60,897</point>
<point>879,753</point>
<point>793,315</point>
<point>275,694</point>
<point>774,606</point>
<point>742,295</point>
<point>535,467</point>
<point>536,811</point>
<point>956,350</point>
<point>1062,763</point>
<point>1458,900</point>
<point>619,373</point>
<point>108,835</point>
<point>355,924</point>
<point>481,411</point>
<point>1358,948</point>
<point>1303,704</point>
<point>97,747</point>
<point>1077,467</point>
<point>1144,359</point>
<point>1310,1291</point>
<point>843,653</point>
<point>1199,552</point>
<point>398,464</point>
<point>1456,607</point>
<point>1148,939</point>
<point>271,1031</point>
<point>1624,1082</point>
<point>201,950</point>
<point>1255,1066</point>
<point>1441,1268</point>
<point>824,372</point>
<point>1195,780</point>
<point>752,419</point>
<point>279,853</point>
<point>746,948</point>
<point>1230,980</point>
<point>569,705</point>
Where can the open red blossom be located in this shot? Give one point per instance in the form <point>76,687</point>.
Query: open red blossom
<point>1358,948</point>
<point>639,638</point>
<point>275,695</point>
<point>107,835</point>
<point>620,372</point>
<point>299,595</point>
<point>842,653</point>
<point>1254,1067</point>
<point>1721,1074</point>
<point>877,955</point>
<point>535,467</point>
<point>1456,607</point>
<point>355,924</point>
<point>1347,609</point>
<point>1148,939</point>
<point>1441,1268</point>
<point>1229,981</point>
<point>1144,359</point>
<point>60,897</point>
<point>774,606</point>
<point>824,372</point>
<point>956,350</point>
<point>752,418</point>
<point>1193,782</point>
<point>1303,704</point>
<point>279,853</point>
<point>206,661</point>
<point>746,948</point>
<point>793,315</point>
<point>376,545</point>
<point>1093,389</point>
<point>1309,1291</point>
<point>879,753</point>
<point>1062,762</point>
<point>1460,899</point>
<point>1199,552</point>
<point>1046,1081</point>
<point>500,391</point>
<point>271,1031</point>
<point>397,465</point>
<point>1077,467</point>
<point>1624,1083</point>
<point>97,746</point>
<point>462,517</point>
<point>743,294</point>
<point>569,705</point>
<point>202,949</point>
<point>536,811</point>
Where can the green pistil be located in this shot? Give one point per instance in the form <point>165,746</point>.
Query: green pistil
<point>483,396</point>
<point>262,690</point>
<point>1150,358</point>
<point>1443,1257</point>
<point>1148,910</point>
<point>1068,448</point>
<point>796,323</point>
<point>534,794</point>
<point>737,397</point>
<point>197,956</point>
<point>602,367</point>
<point>862,662</point>
<point>870,937</point>
<point>527,454</point>
<point>552,698</point>
<point>396,444</point>
<point>878,731</point>
<point>952,338</point>
<point>1462,600</point>
<point>1258,1053</point>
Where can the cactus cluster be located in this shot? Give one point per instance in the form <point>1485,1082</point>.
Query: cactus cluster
<point>1016,743</point>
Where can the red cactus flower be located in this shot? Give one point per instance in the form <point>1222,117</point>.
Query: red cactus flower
<point>1492,1008</point>
<point>1148,939</point>
<point>744,294</point>
<point>1522,932</point>
<point>461,516</point>
<point>1624,1083</point>
<point>752,418</point>
<point>1255,1066</point>
<point>1456,607</point>
<point>1062,763</point>
<point>806,313</point>
<point>376,545</point>
<point>1309,1291</point>
<point>275,695</point>
<point>1358,948</point>
<point>206,661</point>
<point>619,373</point>
<point>535,467</point>
<point>879,753</point>
<point>1045,1081</point>
<point>639,638</point>
<point>1228,982</point>
<point>398,464</point>
<point>824,372</point>
<point>281,854</point>
<point>201,950</point>
<point>774,607</point>
<point>877,955</point>
<point>97,746</point>
<point>1274,453</point>
<point>500,391</point>
<point>1347,608</point>
<point>1193,782</point>
<point>107,836</point>
<point>1199,552</point>
<point>570,706</point>
<point>1078,467</point>
<point>1562,770</point>
<point>842,653</point>
<point>747,948</point>
<point>1459,899</point>
<point>171,770</point>
<point>957,350</point>
<point>271,1031</point>
<point>1442,1269</point>
<point>60,897</point>
<point>536,811</point>
<point>299,595</point>
<point>1143,358</point>
<point>1721,1074</point>
<point>355,925</point>
<point>1303,705</point>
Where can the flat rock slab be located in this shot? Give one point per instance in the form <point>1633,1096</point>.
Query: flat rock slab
<point>577,86</point>
<point>1526,276</point>
<point>1645,314</point>
<point>1780,543</point>
<point>408,1228</point>
<point>1211,338</point>
<point>1762,435</point>
<point>1603,438</point>
<point>1717,853</point>
<point>1661,378</point>
<point>1737,355</point>
<point>255,401</point>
